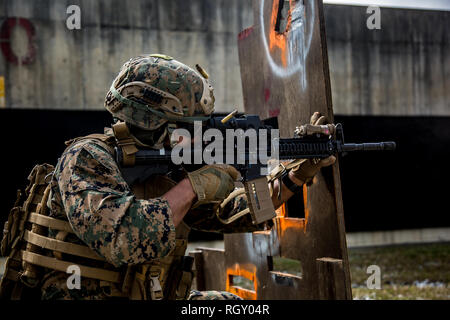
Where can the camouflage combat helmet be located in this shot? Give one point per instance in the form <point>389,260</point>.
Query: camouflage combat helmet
<point>154,89</point>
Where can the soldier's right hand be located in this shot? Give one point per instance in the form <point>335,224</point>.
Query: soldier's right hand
<point>213,183</point>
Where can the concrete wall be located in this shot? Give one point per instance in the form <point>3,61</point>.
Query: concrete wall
<point>401,69</point>
<point>74,68</point>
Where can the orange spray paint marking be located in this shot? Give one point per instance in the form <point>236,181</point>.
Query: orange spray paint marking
<point>305,205</point>
<point>281,211</point>
<point>279,40</point>
<point>298,224</point>
<point>2,91</point>
<point>294,224</point>
<point>247,271</point>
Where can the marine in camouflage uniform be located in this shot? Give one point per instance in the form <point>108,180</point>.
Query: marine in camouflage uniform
<point>89,190</point>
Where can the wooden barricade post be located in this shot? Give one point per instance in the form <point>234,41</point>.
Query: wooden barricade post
<point>284,71</point>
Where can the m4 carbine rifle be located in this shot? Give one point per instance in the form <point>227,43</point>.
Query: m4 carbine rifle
<point>309,141</point>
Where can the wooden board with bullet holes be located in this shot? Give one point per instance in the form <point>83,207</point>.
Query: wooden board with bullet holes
<point>284,70</point>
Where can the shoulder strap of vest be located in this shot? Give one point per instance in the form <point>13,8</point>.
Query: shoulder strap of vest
<point>125,142</point>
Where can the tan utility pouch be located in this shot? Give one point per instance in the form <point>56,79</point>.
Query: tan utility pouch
<point>11,227</point>
<point>31,252</point>
<point>17,225</point>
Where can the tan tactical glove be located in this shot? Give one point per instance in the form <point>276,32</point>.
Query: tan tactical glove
<point>308,168</point>
<point>213,183</point>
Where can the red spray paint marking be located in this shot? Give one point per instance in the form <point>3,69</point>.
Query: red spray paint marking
<point>266,94</point>
<point>5,35</point>
<point>245,33</point>
<point>274,112</point>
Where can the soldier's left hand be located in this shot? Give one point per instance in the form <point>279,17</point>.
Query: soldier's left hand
<point>308,168</point>
<point>213,183</point>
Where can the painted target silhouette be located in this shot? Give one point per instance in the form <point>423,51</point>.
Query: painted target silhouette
<point>287,50</point>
